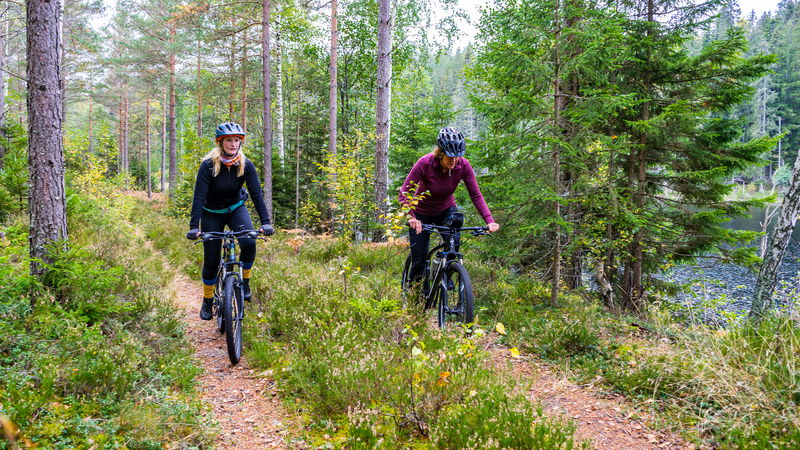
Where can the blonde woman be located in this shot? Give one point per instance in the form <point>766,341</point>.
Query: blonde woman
<point>219,201</point>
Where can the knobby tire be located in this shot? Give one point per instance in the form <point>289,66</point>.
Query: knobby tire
<point>233,320</point>
<point>460,296</point>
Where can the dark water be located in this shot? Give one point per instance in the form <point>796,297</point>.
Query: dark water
<point>719,292</point>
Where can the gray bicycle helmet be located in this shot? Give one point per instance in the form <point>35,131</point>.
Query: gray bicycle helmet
<point>229,129</point>
<point>451,142</point>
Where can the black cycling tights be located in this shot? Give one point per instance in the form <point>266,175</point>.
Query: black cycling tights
<point>237,220</point>
<point>419,242</point>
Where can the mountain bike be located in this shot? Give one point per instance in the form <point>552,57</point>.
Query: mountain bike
<point>228,306</point>
<point>445,281</point>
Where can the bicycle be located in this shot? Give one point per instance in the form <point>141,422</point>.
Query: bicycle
<point>446,277</point>
<point>228,306</point>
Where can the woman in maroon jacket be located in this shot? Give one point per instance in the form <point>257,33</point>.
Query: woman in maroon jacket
<point>437,174</point>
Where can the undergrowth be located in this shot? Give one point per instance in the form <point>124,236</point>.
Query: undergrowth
<point>367,368</point>
<point>98,357</point>
<point>735,388</point>
<point>362,365</point>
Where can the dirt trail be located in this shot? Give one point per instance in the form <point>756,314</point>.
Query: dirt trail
<point>608,422</point>
<point>245,405</point>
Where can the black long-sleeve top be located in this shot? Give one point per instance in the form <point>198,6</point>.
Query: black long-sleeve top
<point>224,190</point>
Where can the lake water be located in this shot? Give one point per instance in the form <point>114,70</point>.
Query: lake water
<point>719,290</point>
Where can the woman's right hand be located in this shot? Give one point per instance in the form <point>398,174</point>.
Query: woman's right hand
<point>416,225</point>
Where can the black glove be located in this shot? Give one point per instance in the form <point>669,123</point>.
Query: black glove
<point>266,230</point>
<point>193,234</point>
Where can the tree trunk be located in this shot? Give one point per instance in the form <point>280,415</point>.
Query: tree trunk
<point>383,111</point>
<point>332,88</point>
<point>776,247</point>
<point>279,93</point>
<point>199,95</point>
<point>125,155</point>
<point>3,34</point>
<point>173,152</point>
<point>47,201</point>
<point>244,82</point>
<point>634,286</point>
<point>557,108</point>
<point>163,137</point>
<point>91,119</point>
<point>297,165</point>
<point>267,113</point>
<point>147,145</point>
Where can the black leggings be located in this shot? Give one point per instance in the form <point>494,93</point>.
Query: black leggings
<point>420,242</point>
<point>236,220</point>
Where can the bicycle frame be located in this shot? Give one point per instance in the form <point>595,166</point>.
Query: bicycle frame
<point>444,255</point>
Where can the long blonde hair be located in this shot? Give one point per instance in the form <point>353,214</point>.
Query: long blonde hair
<point>216,153</point>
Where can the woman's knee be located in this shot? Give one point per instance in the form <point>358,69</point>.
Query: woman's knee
<point>248,247</point>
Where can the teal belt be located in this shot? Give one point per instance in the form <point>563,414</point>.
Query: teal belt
<point>226,210</point>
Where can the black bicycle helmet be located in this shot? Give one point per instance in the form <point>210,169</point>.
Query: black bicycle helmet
<point>229,129</point>
<point>451,142</point>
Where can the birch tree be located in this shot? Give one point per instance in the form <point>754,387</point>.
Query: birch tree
<point>776,247</point>
<point>383,107</point>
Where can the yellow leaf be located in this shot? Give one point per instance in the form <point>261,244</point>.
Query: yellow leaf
<point>416,377</point>
<point>515,353</point>
<point>500,328</point>
<point>443,379</point>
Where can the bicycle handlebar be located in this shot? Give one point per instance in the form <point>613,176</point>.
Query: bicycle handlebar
<point>214,235</point>
<point>438,228</point>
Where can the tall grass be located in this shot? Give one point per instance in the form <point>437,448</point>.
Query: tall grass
<point>98,357</point>
<point>363,364</point>
<point>732,388</point>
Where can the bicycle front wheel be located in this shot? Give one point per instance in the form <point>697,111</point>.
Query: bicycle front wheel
<point>459,301</point>
<point>405,279</point>
<point>233,319</point>
<point>218,291</point>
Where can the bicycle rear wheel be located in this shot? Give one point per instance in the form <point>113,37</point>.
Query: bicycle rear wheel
<point>458,291</point>
<point>231,307</point>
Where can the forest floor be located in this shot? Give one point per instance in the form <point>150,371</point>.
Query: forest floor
<point>244,403</point>
<point>605,421</point>
<point>250,414</point>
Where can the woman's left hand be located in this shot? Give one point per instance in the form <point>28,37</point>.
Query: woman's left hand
<point>493,227</point>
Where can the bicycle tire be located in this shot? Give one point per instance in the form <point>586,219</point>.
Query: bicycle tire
<point>233,320</point>
<point>218,306</point>
<point>439,298</point>
<point>405,279</point>
<point>461,294</point>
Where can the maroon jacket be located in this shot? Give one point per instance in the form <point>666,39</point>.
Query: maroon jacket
<point>427,175</point>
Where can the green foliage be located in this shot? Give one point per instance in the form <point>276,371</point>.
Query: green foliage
<point>736,388</point>
<point>491,420</point>
<point>329,324</point>
<point>348,178</point>
<point>14,173</point>
<point>99,358</point>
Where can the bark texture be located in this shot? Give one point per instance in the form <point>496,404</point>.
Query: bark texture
<point>3,94</point>
<point>163,138</point>
<point>383,109</point>
<point>267,119</point>
<point>147,145</point>
<point>279,94</point>
<point>47,202</point>
<point>776,246</point>
<point>332,107</point>
<point>173,138</point>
